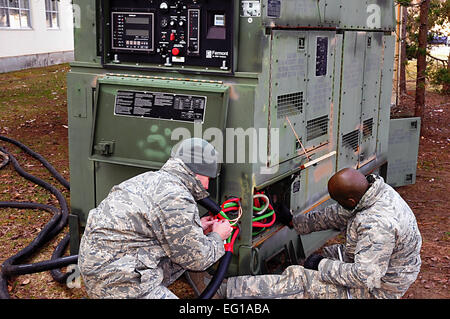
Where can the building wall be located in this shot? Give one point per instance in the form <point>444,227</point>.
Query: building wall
<point>38,46</point>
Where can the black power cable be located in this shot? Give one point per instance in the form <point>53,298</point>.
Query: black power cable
<point>8,267</point>
<point>225,261</point>
<point>12,267</point>
<point>40,158</point>
<point>59,196</point>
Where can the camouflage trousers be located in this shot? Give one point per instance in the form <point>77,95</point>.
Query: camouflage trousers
<point>160,292</point>
<point>295,282</point>
<point>126,290</point>
<point>142,284</point>
<point>171,273</point>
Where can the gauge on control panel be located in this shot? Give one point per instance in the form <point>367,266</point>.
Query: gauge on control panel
<point>133,31</point>
<point>193,32</point>
<point>164,6</point>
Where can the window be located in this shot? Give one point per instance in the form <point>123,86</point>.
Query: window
<point>51,13</point>
<point>15,14</point>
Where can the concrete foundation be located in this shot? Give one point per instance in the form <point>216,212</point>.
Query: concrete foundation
<point>15,63</point>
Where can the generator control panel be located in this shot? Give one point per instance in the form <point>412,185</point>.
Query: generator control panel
<point>169,32</point>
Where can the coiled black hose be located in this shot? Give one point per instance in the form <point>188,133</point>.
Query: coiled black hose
<point>8,267</point>
<point>45,265</point>
<point>40,158</point>
<point>42,238</point>
<point>11,266</point>
<point>58,261</point>
<point>59,196</point>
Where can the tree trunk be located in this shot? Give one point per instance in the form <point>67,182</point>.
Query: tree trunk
<point>422,62</point>
<point>446,87</point>
<point>403,51</point>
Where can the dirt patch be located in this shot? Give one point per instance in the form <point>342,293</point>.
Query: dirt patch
<point>33,110</point>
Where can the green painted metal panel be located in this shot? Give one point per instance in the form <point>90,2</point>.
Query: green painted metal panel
<point>80,115</point>
<point>147,142</point>
<point>108,175</point>
<point>288,89</point>
<point>385,95</point>
<point>251,43</point>
<point>371,97</point>
<point>351,98</point>
<point>343,14</point>
<point>301,98</point>
<point>290,13</point>
<point>404,137</point>
<point>86,31</point>
<point>363,84</point>
<point>318,106</point>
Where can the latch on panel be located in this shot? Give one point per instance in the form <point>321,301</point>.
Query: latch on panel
<point>104,148</point>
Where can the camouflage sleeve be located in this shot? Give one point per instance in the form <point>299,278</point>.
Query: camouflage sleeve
<point>332,217</point>
<point>181,235</point>
<point>376,241</point>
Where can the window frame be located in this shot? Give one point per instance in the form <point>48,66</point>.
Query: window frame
<point>22,10</point>
<point>52,10</point>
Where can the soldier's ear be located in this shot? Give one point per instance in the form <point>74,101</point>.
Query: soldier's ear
<point>348,203</point>
<point>352,202</point>
<point>204,180</point>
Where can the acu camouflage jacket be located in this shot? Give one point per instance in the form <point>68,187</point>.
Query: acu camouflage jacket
<point>382,249</point>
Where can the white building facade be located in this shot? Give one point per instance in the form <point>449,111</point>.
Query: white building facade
<point>35,33</point>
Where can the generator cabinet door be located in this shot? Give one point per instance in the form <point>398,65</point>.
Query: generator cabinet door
<point>404,137</point>
<point>138,120</point>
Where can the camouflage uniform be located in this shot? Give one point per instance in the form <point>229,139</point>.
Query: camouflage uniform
<point>145,234</point>
<point>381,257</point>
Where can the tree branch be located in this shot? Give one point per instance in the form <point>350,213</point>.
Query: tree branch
<point>437,59</point>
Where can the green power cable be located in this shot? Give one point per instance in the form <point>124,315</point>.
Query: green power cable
<point>255,219</point>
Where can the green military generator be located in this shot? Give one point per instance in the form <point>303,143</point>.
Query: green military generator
<point>289,92</point>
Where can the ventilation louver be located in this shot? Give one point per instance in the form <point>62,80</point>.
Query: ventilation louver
<point>351,140</point>
<point>316,127</point>
<point>368,128</point>
<point>289,104</point>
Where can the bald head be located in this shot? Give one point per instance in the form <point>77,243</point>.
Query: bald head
<point>347,187</point>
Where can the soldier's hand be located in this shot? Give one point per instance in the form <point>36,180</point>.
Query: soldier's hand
<point>207,223</point>
<point>312,262</point>
<point>223,228</point>
<point>284,215</point>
